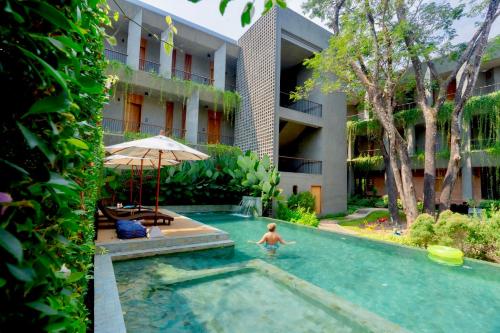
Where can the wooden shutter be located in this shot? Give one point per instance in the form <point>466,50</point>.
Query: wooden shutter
<point>133,109</point>
<point>213,127</point>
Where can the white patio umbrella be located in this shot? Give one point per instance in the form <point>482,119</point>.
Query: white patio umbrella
<point>123,161</point>
<point>158,148</point>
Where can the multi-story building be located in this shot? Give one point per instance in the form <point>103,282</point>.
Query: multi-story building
<point>186,94</point>
<point>479,177</point>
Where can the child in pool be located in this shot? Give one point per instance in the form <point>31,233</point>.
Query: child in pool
<point>272,239</point>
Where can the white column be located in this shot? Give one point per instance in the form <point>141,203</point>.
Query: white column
<point>134,41</point>
<point>466,164</point>
<point>165,59</point>
<point>410,139</point>
<point>220,67</point>
<point>192,112</point>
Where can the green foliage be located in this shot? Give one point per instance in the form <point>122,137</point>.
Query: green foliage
<point>477,237</point>
<point>51,159</point>
<point>223,179</point>
<point>230,100</point>
<point>422,230</point>
<point>303,200</point>
<point>299,215</point>
<point>484,109</point>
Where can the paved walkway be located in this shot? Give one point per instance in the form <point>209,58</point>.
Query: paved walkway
<point>333,225</point>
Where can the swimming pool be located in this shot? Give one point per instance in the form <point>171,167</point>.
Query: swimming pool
<point>397,283</point>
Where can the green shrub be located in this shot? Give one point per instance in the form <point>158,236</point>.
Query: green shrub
<point>452,229</point>
<point>382,202</point>
<point>303,199</point>
<point>305,217</point>
<point>490,204</point>
<point>223,179</point>
<point>299,215</point>
<point>286,214</point>
<point>422,230</point>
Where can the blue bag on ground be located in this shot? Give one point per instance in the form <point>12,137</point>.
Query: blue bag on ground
<point>130,229</point>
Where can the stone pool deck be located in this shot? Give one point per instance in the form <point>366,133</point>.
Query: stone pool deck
<point>183,234</point>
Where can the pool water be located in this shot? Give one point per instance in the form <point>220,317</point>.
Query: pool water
<point>397,283</point>
<point>228,303</point>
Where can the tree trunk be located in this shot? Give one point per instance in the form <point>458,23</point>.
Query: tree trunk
<point>430,165</point>
<point>409,197</point>
<point>453,164</point>
<point>390,184</point>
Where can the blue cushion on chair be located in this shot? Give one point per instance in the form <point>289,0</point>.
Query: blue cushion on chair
<point>130,229</point>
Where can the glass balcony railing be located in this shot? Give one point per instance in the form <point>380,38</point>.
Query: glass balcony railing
<point>299,165</point>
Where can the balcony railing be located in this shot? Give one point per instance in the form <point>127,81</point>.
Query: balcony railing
<point>204,137</point>
<point>179,74</point>
<point>303,105</point>
<point>118,126</point>
<point>115,56</point>
<point>149,66</point>
<point>299,165</point>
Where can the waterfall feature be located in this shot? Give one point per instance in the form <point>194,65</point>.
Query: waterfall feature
<point>250,206</point>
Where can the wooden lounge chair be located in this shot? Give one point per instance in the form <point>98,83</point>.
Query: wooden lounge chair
<point>146,215</point>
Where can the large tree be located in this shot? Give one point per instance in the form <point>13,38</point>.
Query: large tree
<point>367,54</point>
<point>375,44</point>
<point>427,35</point>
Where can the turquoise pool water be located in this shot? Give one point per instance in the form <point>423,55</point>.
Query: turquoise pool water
<point>397,283</point>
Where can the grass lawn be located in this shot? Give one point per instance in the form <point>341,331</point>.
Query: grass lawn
<point>370,228</point>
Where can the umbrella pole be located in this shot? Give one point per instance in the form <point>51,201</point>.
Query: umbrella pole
<point>158,186</point>
<point>131,180</point>
<point>140,187</point>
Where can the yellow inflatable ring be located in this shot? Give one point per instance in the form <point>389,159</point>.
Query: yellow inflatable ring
<point>445,255</point>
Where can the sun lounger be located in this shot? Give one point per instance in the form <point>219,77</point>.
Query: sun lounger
<point>149,215</point>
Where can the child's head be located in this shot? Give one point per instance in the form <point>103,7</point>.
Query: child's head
<point>271,227</point>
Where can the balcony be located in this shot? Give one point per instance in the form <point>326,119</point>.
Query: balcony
<point>205,138</point>
<point>113,55</point>
<point>299,165</point>
<point>149,66</point>
<point>303,105</point>
<point>182,75</point>
<point>118,126</point>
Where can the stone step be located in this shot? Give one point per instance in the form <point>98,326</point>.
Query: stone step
<point>170,249</point>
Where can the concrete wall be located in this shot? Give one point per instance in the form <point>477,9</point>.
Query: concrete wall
<point>121,41</point>
<point>153,112</point>
<point>153,50</point>
<point>327,144</point>
<point>114,108</point>
<point>302,180</point>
